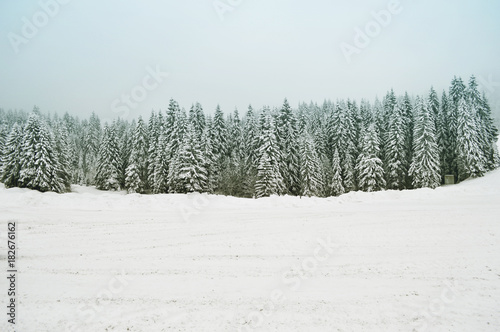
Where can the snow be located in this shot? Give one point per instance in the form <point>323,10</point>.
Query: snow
<point>421,260</point>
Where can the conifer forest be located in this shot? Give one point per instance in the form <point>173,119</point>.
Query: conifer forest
<point>399,142</point>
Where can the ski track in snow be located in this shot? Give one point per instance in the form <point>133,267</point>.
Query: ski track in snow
<point>420,260</point>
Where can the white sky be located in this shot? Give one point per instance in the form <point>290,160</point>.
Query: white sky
<point>91,52</point>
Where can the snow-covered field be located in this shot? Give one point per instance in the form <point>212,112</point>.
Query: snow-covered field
<point>423,260</point>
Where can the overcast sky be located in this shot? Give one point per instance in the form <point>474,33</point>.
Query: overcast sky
<point>88,55</point>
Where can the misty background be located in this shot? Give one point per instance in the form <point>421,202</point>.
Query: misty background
<point>83,56</point>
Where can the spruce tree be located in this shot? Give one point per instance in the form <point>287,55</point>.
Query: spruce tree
<point>108,161</point>
<point>250,151</point>
<point>470,159</point>
<point>269,178</point>
<point>137,169</point>
<point>336,186</point>
<point>64,153</point>
<point>11,157</point>
<point>310,168</point>
<point>39,164</point>
<point>396,171</point>
<point>192,175</point>
<point>286,137</point>
<point>369,167</point>
<point>425,169</point>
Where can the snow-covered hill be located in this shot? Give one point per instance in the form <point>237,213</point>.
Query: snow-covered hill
<point>423,260</point>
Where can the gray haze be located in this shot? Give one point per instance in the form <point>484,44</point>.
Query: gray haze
<point>83,56</point>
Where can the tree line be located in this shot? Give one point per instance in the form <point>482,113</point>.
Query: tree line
<point>398,143</point>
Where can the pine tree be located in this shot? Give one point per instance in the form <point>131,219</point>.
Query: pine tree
<point>395,150</point>
<point>448,162</point>
<point>369,167</point>
<point>470,157</point>
<point>408,117</point>
<point>155,128</point>
<point>336,186</point>
<point>219,140</point>
<point>137,169</point>
<point>92,137</point>
<point>63,156</point>
<point>342,133</point>
<point>11,157</point>
<point>286,137</point>
<point>209,163</point>
<point>192,175</point>
<point>269,178</point>
<point>425,168</point>
<point>250,152</point>
<point>487,131</point>
<point>457,92</point>
<point>310,168</point>
<point>4,132</point>
<point>491,132</point>
<point>197,119</point>
<point>177,137</point>
<point>39,166</point>
<point>108,161</point>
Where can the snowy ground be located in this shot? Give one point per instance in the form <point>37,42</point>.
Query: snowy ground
<point>422,260</point>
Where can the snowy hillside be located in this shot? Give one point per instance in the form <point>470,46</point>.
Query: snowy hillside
<point>421,260</point>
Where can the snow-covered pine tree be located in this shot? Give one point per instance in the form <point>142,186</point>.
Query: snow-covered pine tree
<point>348,163</point>
<point>154,130</point>
<point>250,152</point>
<point>197,119</point>
<point>435,110</point>
<point>176,141</point>
<point>219,140</point>
<point>493,158</point>
<point>192,175</point>
<point>369,167</point>
<point>396,170</point>
<point>235,140</point>
<point>269,178</point>
<point>64,153</point>
<point>310,168</point>
<point>209,160</point>
<point>486,127</point>
<point>136,174</point>
<point>448,156</point>
<point>342,135</point>
<point>425,169</point>
<point>4,132</point>
<point>108,161</point>
<point>302,119</point>
<point>161,165</point>
<point>336,186</point>
<point>92,137</point>
<point>365,118</point>
<point>456,92</point>
<point>383,119</point>
<point>11,157</point>
<point>124,138</point>
<point>470,157</point>
<point>39,164</point>
<point>286,138</point>
<point>408,117</point>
